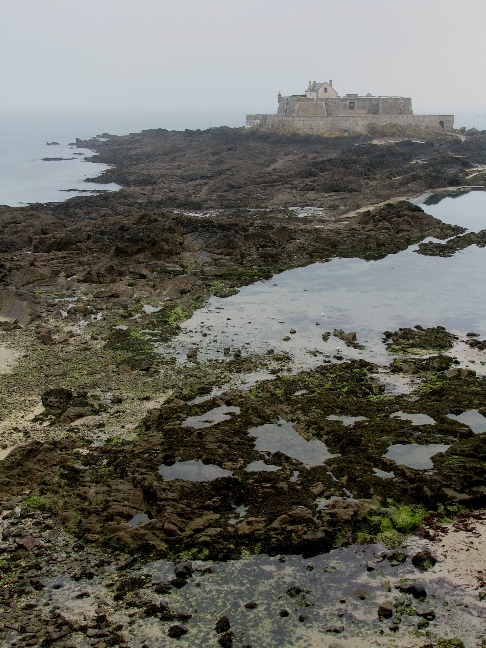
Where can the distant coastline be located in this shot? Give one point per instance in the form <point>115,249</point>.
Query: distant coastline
<point>24,178</point>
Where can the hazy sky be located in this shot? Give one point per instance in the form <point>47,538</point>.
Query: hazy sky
<point>237,54</point>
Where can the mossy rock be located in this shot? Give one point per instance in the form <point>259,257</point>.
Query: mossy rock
<point>406,340</point>
<point>131,349</point>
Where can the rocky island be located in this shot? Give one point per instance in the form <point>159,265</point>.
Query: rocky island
<point>114,455</point>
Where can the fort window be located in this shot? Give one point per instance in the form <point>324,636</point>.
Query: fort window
<point>352,105</point>
<point>441,124</point>
<point>325,89</point>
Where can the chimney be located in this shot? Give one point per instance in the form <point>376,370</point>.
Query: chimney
<point>330,82</point>
<point>313,84</point>
<point>310,84</point>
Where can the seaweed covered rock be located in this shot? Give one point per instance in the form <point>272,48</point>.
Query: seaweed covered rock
<point>406,340</point>
<point>401,217</point>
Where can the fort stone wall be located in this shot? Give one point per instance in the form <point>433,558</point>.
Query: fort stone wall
<point>353,124</point>
<point>322,111</point>
<point>301,106</point>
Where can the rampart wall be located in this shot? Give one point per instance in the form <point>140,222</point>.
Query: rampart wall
<point>353,124</point>
<point>301,106</point>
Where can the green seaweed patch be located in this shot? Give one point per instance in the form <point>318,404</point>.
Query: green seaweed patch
<point>35,503</point>
<point>434,363</point>
<point>407,517</point>
<point>446,643</point>
<point>475,343</point>
<point>407,340</point>
<point>390,525</point>
<point>132,349</point>
<point>220,288</point>
<point>462,467</point>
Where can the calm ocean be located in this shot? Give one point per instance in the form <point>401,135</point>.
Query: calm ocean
<point>26,178</point>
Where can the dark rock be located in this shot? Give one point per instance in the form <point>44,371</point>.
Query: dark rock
<point>385,610</point>
<point>28,542</point>
<point>183,616</point>
<point>397,558</point>
<point>413,587</point>
<point>192,353</point>
<point>55,635</point>
<point>177,631</point>
<point>337,629</point>
<point>166,615</point>
<point>45,337</point>
<point>222,625</point>
<point>74,413</point>
<point>424,560</point>
<point>293,591</point>
<point>251,605</point>
<point>361,594</point>
<point>129,584</point>
<point>6,325</point>
<point>226,639</point>
<point>284,613</point>
<point>183,569</point>
<point>151,610</point>
<point>106,294</point>
<point>162,588</point>
<point>426,612</point>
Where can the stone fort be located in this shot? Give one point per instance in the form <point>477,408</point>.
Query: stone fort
<point>321,110</point>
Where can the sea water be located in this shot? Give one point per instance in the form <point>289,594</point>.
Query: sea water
<point>26,178</point>
<point>367,297</point>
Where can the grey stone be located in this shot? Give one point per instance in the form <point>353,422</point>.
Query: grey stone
<point>385,610</point>
<point>361,593</point>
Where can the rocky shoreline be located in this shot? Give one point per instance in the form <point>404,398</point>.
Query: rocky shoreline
<point>92,415</point>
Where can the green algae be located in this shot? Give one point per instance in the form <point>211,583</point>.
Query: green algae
<point>131,349</point>
<point>382,510</point>
<point>35,503</point>
<point>407,340</point>
<point>406,518</point>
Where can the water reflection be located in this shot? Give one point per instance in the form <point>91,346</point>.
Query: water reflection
<point>472,418</point>
<point>141,518</point>
<point>193,471</point>
<point>415,419</point>
<point>366,297</point>
<point>281,437</point>
<point>214,416</point>
<point>261,466</point>
<point>347,420</point>
<point>414,455</point>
